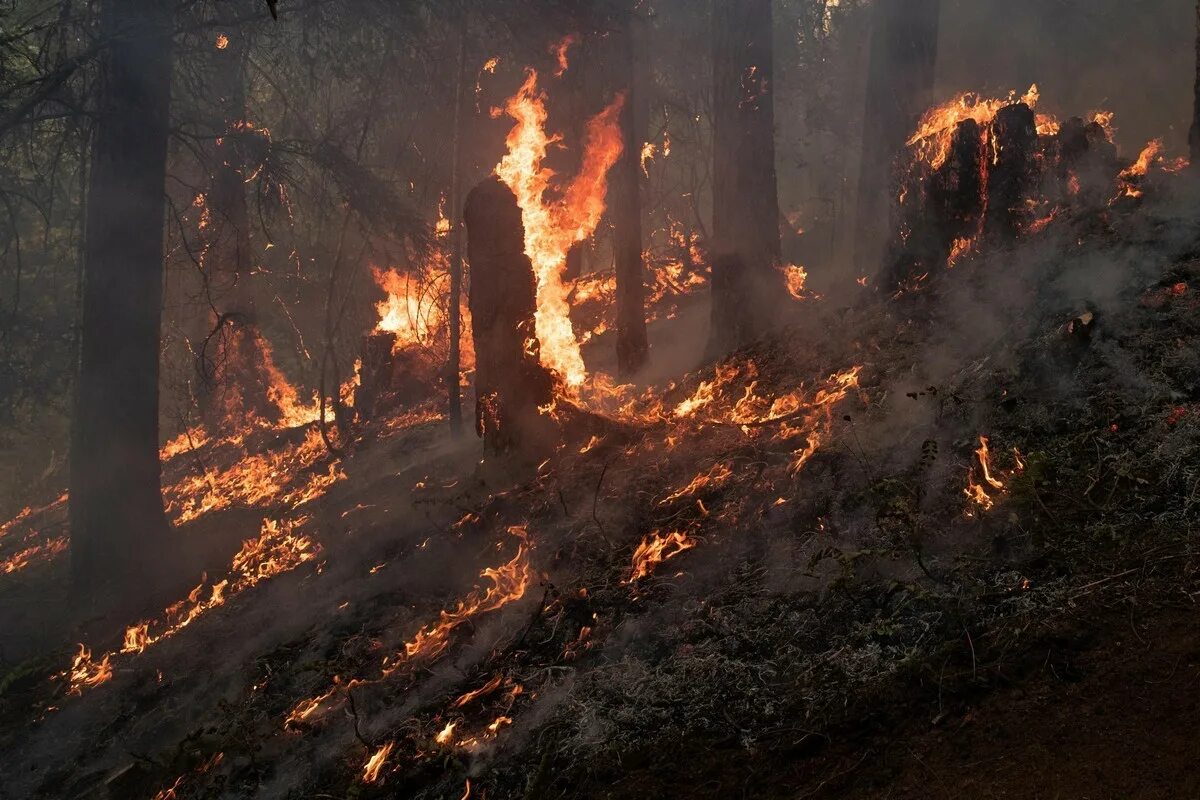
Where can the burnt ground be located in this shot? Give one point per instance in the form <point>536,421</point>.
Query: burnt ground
<point>1106,709</point>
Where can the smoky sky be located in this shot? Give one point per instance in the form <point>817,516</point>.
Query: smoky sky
<point>1133,57</point>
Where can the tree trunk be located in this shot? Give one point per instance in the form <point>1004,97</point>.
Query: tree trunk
<point>632,344</point>
<point>454,367</point>
<point>746,242</point>
<point>231,254</point>
<point>1194,133</point>
<point>904,37</point>
<point>118,528</point>
<point>510,382</point>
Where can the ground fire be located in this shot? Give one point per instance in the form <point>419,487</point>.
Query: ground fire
<point>518,400</point>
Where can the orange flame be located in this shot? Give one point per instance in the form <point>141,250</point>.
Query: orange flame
<point>375,763</point>
<point>552,229</point>
<point>654,550</point>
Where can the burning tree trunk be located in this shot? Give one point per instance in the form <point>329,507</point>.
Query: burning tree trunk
<point>510,382</point>
<point>632,344</point>
<point>903,55</point>
<point>746,282</point>
<point>118,526</point>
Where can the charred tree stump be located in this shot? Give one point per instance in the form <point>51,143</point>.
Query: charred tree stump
<point>1011,170</point>
<point>393,378</point>
<point>958,190</point>
<point>510,382</point>
<point>939,212</point>
<point>1084,161</point>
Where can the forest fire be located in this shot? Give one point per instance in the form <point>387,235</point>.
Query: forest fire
<point>523,420</point>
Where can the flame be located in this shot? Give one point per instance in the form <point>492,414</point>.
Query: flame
<point>551,229</point>
<point>509,583</point>
<point>37,552</point>
<point>796,277</point>
<point>560,50</point>
<point>654,550</point>
<point>86,673</point>
<point>982,492</point>
<point>1129,176</point>
<point>256,480</point>
<point>482,691</point>
<point>375,763</point>
<point>715,477</point>
<point>446,736</point>
<point>960,248</point>
<point>936,129</point>
<point>222,41</point>
<point>276,550</point>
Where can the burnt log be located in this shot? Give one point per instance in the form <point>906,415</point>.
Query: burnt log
<point>510,382</point>
<point>1012,171</point>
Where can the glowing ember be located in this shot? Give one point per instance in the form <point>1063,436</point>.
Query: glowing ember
<point>552,229</point>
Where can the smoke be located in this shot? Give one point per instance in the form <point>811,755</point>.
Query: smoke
<point>1136,59</point>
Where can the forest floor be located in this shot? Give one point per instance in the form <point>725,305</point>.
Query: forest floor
<point>856,595</point>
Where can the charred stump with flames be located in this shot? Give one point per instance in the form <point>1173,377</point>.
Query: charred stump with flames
<point>510,383</point>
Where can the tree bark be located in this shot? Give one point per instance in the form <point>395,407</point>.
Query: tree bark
<point>746,242</point>
<point>1194,133</point>
<point>903,55</point>
<point>632,343</point>
<point>454,365</point>
<point>118,528</point>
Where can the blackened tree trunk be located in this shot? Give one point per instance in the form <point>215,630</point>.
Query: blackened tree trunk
<point>454,302</point>
<point>510,382</point>
<point>632,343</point>
<point>118,528</point>
<point>1194,133</point>
<point>747,283</point>
<point>903,55</point>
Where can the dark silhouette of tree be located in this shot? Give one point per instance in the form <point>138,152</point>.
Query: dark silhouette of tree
<point>118,528</point>
<point>632,343</point>
<point>1194,133</point>
<point>903,54</point>
<point>746,282</point>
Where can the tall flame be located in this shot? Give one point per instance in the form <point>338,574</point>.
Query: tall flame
<point>552,228</point>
